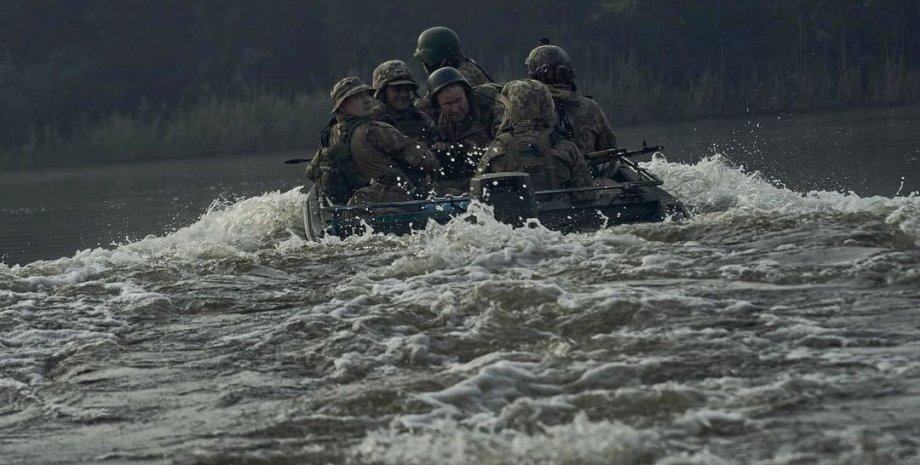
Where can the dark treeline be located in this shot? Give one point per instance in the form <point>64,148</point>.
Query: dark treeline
<point>88,78</point>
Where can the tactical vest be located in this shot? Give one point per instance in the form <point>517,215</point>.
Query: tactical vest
<point>340,177</point>
<point>539,160</point>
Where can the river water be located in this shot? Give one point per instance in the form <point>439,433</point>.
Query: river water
<point>778,326</point>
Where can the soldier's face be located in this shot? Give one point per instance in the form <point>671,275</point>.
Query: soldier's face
<point>399,97</point>
<point>360,105</point>
<point>453,104</point>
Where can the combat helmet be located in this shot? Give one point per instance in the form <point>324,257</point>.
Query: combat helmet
<point>528,100</point>
<point>550,64</point>
<point>436,45</point>
<point>392,73</point>
<point>347,87</point>
<point>443,77</point>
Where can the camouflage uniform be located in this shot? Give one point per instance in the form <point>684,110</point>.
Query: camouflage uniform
<point>530,144</point>
<point>580,118</point>
<point>412,122</point>
<point>364,160</point>
<point>471,71</point>
<point>469,138</point>
<point>396,165</point>
<point>589,127</point>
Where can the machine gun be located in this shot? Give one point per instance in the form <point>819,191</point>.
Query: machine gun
<point>604,156</point>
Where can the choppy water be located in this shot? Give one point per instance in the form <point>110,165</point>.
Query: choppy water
<point>773,328</point>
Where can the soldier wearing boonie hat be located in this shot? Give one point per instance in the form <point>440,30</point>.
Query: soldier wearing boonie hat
<point>364,160</point>
<point>347,88</point>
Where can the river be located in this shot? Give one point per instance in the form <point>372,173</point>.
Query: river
<point>170,312</point>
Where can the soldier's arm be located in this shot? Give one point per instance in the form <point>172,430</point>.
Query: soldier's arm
<point>492,157</point>
<point>581,174</point>
<point>314,167</point>
<point>498,115</point>
<point>400,147</point>
<point>472,73</point>
<point>494,111</point>
<point>606,139</point>
<point>431,128</point>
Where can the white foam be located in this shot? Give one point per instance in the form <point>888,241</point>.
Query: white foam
<point>711,185</point>
<point>581,442</point>
<point>237,229</point>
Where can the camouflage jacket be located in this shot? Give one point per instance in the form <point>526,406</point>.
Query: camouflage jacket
<point>589,125</point>
<point>473,73</point>
<point>412,122</point>
<point>552,161</point>
<point>379,152</point>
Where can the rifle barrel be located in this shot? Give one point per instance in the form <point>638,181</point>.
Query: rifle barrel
<point>623,152</point>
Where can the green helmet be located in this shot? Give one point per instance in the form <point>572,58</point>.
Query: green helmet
<point>550,64</point>
<point>442,78</point>
<point>436,45</point>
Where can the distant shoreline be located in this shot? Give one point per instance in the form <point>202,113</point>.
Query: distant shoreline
<point>229,128</point>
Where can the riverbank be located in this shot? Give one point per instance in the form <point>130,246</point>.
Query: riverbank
<point>268,122</point>
<point>261,122</point>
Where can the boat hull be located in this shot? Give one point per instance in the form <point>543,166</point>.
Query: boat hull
<point>629,197</point>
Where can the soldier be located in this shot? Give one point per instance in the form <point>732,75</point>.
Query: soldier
<point>530,143</point>
<point>580,118</point>
<point>364,160</point>
<point>439,47</point>
<point>468,118</point>
<point>396,90</point>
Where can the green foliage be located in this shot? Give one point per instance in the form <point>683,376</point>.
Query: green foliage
<point>258,122</point>
<point>89,80</point>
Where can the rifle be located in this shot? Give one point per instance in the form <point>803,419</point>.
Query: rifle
<point>295,161</point>
<point>604,156</point>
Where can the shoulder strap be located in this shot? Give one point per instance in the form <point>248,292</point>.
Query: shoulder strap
<point>563,124</point>
<point>549,159</point>
<point>324,133</point>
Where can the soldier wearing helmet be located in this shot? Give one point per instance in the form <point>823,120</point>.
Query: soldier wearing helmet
<point>580,118</point>
<point>396,89</point>
<point>467,120</point>
<point>364,160</point>
<point>439,47</point>
<point>531,144</point>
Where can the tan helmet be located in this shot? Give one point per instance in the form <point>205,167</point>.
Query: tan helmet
<point>392,73</point>
<point>528,100</point>
<point>347,87</point>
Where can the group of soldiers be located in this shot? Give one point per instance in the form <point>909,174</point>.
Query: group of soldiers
<point>387,144</point>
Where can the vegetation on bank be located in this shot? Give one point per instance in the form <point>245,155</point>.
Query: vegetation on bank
<point>258,122</point>
<point>264,121</point>
<point>120,80</point>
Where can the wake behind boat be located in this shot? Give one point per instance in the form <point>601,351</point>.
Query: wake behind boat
<point>627,194</point>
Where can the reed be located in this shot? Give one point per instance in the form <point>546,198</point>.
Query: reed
<point>257,122</point>
<point>630,93</point>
